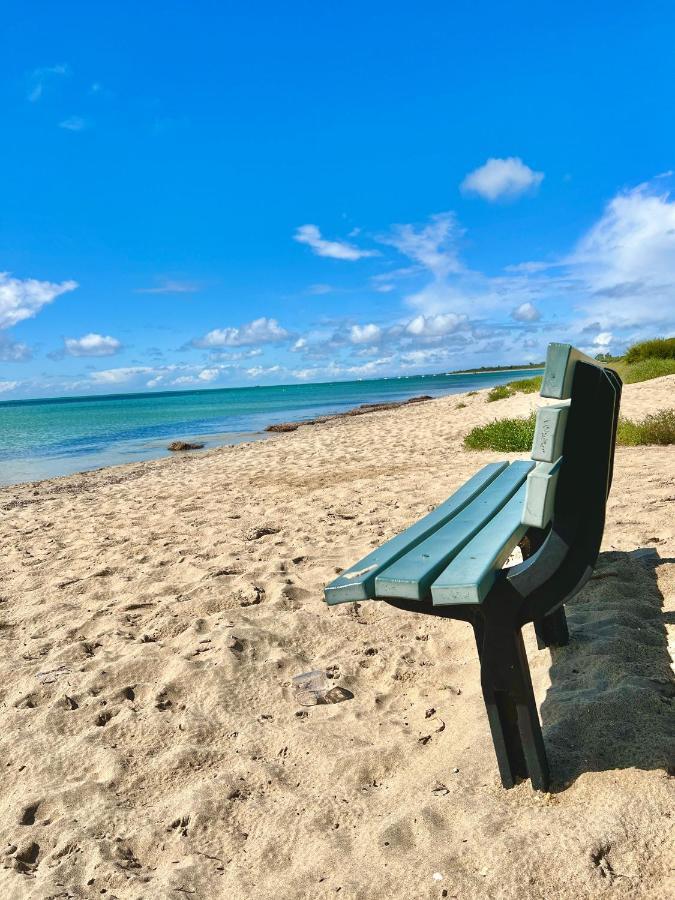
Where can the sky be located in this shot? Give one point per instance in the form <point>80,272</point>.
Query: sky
<point>215,194</point>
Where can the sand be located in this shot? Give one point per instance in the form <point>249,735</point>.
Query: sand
<point>153,615</point>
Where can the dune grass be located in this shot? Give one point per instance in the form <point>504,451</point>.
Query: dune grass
<point>644,369</point>
<point>521,385</point>
<point>516,435</point>
<point>641,362</point>
<point>527,385</point>
<point>504,435</point>
<point>658,348</point>
<point>500,392</point>
<point>658,428</point>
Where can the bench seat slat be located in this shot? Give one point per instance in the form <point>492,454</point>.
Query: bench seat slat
<point>411,576</point>
<point>358,582</point>
<point>472,572</point>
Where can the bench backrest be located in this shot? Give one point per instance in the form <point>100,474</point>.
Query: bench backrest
<point>574,448</point>
<point>550,430</point>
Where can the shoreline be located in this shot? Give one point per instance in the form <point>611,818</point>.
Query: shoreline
<point>48,439</point>
<point>361,410</point>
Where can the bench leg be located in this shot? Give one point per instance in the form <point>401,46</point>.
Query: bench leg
<point>552,630</point>
<point>511,708</point>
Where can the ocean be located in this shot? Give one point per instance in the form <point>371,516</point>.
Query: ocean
<point>45,438</point>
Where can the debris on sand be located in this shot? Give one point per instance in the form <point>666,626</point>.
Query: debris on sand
<point>358,411</point>
<point>315,689</point>
<point>184,445</point>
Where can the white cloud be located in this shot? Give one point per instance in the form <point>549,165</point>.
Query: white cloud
<point>259,331</point>
<point>73,123</point>
<point>121,375</point>
<point>365,334</point>
<point>170,286</point>
<point>300,344</point>
<point>13,351</point>
<point>23,298</point>
<point>93,345</point>
<point>627,260</point>
<point>526,312</point>
<point>208,374</point>
<point>257,371</point>
<point>433,246</point>
<point>502,178</point>
<point>6,386</point>
<point>236,356</point>
<point>604,339</point>
<point>40,78</point>
<point>436,326</point>
<point>311,235</point>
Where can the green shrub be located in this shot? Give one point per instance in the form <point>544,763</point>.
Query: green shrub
<point>460,405</point>
<point>501,392</point>
<point>644,370</point>
<point>472,393</point>
<point>658,348</point>
<point>527,385</point>
<point>504,435</point>
<point>516,435</point>
<point>658,428</point>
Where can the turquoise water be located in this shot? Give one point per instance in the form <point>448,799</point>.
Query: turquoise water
<point>45,438</point>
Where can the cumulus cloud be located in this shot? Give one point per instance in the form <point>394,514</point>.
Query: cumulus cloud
<point>23,298</point>
<point>93,345</point>
<point>6,386</point>
<point>502,179</point>
<point>435,326</point>
<point>259,331</point>
<point>365,334</point>
<point>311,236</point>
<point>526,312</point>
<point>627,260</point>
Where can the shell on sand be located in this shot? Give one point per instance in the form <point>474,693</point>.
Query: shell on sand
<point>153,616</point>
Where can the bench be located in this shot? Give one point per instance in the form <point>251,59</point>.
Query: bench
<point>450,563</point>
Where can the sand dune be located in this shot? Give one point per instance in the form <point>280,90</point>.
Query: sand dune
<point>152,617</point>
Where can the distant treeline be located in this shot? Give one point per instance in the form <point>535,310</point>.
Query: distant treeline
<point>530,365</point>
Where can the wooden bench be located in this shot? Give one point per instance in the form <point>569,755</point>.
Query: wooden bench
<point>450,562</point>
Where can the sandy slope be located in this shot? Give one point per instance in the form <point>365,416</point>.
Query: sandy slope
<point>151,743</point>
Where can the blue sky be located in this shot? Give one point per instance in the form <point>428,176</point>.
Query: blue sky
<point>215,194</point>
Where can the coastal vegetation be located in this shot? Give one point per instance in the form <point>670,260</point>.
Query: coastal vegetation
<point>516,435</point>
<point>641,362</point>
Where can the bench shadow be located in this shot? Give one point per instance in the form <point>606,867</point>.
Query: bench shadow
<point>610,704</point>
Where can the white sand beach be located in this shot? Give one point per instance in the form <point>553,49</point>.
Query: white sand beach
<point>153,615</point>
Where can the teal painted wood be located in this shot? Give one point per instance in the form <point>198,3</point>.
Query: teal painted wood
<point>358,582</point>
<point>540,490</point>
<point>549,432</point>
<point>411,575</point>
<point>560,362</point>
<point>473,571</point>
